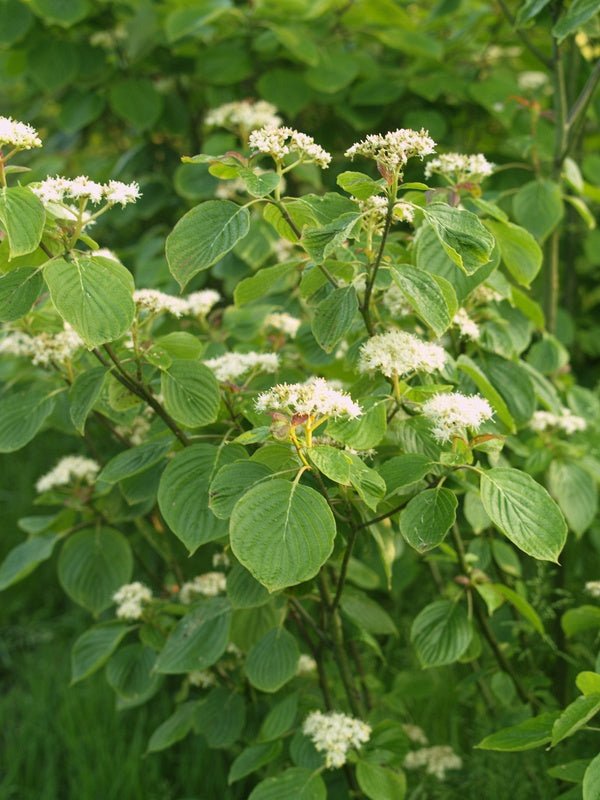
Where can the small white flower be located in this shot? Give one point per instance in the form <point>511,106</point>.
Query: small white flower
<point>285,323</point>
<point>400,353</point>
<point>18,135</point>
<point>221,560</point>
<point>69,469</point>
<point>136,431</point>
<point>243,116</point>
<point>82,188</point>
<point>210,584</point>
<point>202,678</point>
<point>104,252</point>
<point>231,366</point>
<point>279,142</point>
<point>452,413</point>
<point>593,588</point>
<point>396,303</point>
<point>466,326</point>
<point>316,397</point>
<point>200,303</point>
<point>415,734</point>
<point>531,80</point>
<point>485,294</point>
<point>565,421</point>
<point>306,665</point>
<point>393,149</point>
<point>375,211</point>
<point>155,302</point>
<point>123,193</point>
<point>335,734</point>
<point>130,600</point>
<point>229,190</point>
<point>436,760</point>
<point>16,343</point>
<point>460,168</point>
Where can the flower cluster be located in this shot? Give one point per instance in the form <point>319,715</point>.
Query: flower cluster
<point>466,326</point>
<point>69,469</point>
<point>58,189</point>
<point>532,80</point>
<point>334,734</point>
<point>285,323</point>
<point>485,294</point>
<point>130,600</point>
<point>593,588</point>
<point>198,304</point>
<point>231,366</point>
<point>201,678</point>
<point>398,353</point>
<point>208,585</point>
<point>316,397</point>
<point>306,665</point>
<point>280,142</point>
<point>451,414</point>
<point>45,349</point>
<point>375,211</point>
<point>415,734</point>
<point>396,303</point>
<point>565,421</point>
<point>244,116</point>
<point>137,430</point>
<point>460,168</point>
<point>393,149</point>
<point>18,135</point>
<point>436,760</point>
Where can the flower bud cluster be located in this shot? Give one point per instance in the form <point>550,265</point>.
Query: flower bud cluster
<point>375,211</point>
<point>68,470</point>
<point>399,353</point>
<point>315,397</point>
<point>231,366</point>
<point>280,142</point>
<point>467,328</point>
<point>335,734</point>
<point>18,135</point>
<point>130,600</point>
<point>452,413</point>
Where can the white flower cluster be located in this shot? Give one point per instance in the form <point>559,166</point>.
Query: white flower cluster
<point>334,734</point>
<point>485,294</point>
<point>18,135</point>
<point>285,323</point>
<point>45,349</point>
<point>400,353</point>
<point>130,600</point>
<point>452,413</point>
<point>593,588</point>
<point>566,421</point>
<point>306,665</point>
<point>436,760</point>
<point>136,431</point>
<point>393,149</point>
<point>244,115</point>
<point>279,142</point>
<point>315,397</point>
<point>227,368</point>
<point>467,327</point>
<point>375,210</point>
<point>415,734</point>
<point>221,560</point>
<point>396,303</point>
<point>198,304</point>
<point>58,189</point>
<point>532,80</point>
<point>460,168</point>
<point>208,585</point>
<point>68,469</point>
<point>201,678</point>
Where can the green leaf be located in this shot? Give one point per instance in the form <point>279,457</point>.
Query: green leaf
<point>524,512</point>
<point>423,293</point>
<point>25,557</point>
<point>263,283</point>
<point>282,533</point>
<point>296,783</point>
<point>588,682</point>
<point>272,661</point>
<point>538,207</point>
<point>521,604</point>
<point>231,482</point>
<point>220,717</point>
<point>513,383</point>
<point>380,783</point>
<point>402,471</point>
<point>173,729</point>
<point>575,491</point>
<point>252,759</point>
<point>191,393</point>
<point>334,316</point>
<point>519,251</point>
<point>259,184</point>
<point>93,564</point>
<point>480,379</point>
<point>243,590</point>
<point>85,391</point>
<point>441,633</point>
<point>130,673</point>
<point>591,780</point>
<point>573,17</point>
<point>365,432</point>
<point>367,614</point>
<point>359,185</point>
<point>367,482</point>
<point>193,21</point>
<point>527,735</point>
<point>94,647</point>
<point>530,9</point>
<point>61,12</point>
<point>22,216</point>
<point>280,718</point>
<point>19,289</point>
<point>575,716</point>
<point>183,493</point>
<point>136,101</point>
<point>22,415</point>
<point>135,460</point>
<point>198,640</point>
<point>428,517</point>
<point>320,242</point>
<point>94,295</point>
<point>203,236</point>
<point>463,237</point>
<point>583,618</point>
